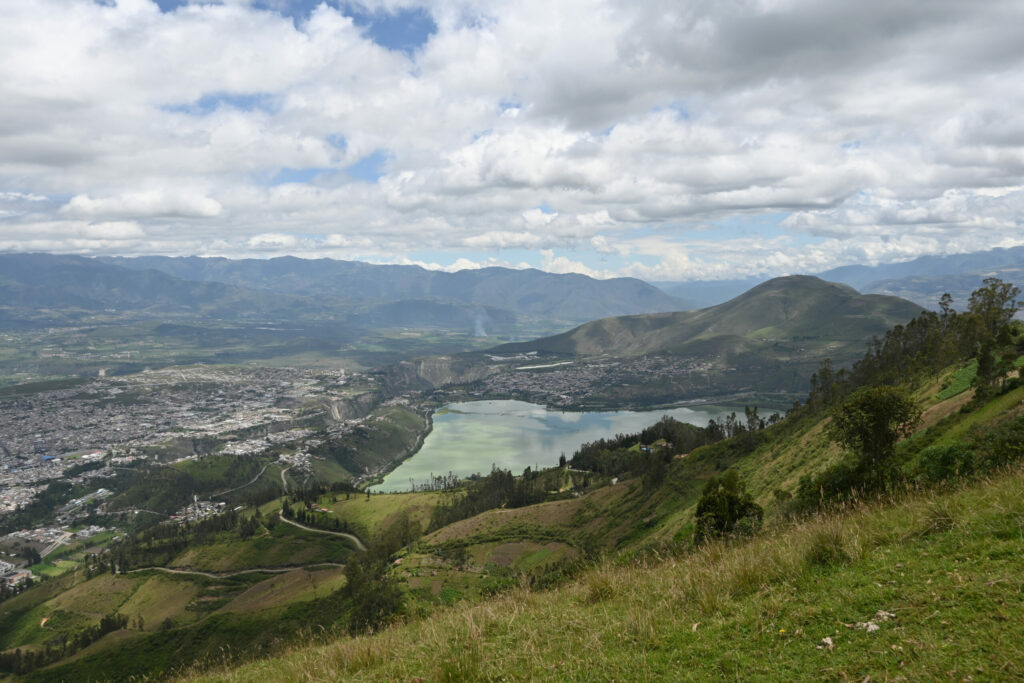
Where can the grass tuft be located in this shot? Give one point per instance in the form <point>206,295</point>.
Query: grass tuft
<point>824,546</point>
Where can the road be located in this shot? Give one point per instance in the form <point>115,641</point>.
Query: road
<point>354,539</point>
<point>225,575</point>
<point>254,480</point>
<point>284,483</point>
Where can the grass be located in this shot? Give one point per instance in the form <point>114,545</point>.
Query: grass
<point>375,513</point>
<point>960,381</point>
<point>944,565</point>
<point>284,546</point>
<point>53,569</point>
<point>997,407</point>
<point>285,589</point>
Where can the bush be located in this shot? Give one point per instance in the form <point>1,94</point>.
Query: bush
<point>726,509</point>
<point>940,463</point>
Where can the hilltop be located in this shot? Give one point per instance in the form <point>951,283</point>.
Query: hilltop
<point>795,308</point>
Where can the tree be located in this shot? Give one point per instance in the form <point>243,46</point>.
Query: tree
<point>726,509</point>
<point>995,304</point>
<point>870,424</point>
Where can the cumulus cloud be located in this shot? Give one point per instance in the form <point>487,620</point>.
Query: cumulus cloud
<point>143,205</point>
<point>884,130</point>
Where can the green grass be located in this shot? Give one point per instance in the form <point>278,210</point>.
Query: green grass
<point>284,546</point>
<point>375,513</point>
<point>52,569</point>
<point>984,415</point>
<point>945,565</point>
<point>961,381</point>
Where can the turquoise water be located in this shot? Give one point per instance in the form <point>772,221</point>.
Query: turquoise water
<point>471,437</point>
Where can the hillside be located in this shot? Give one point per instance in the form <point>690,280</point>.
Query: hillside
<point>918,580</point>
<point>926,589</point>
<point>527,292</point>
<point>776,313</point>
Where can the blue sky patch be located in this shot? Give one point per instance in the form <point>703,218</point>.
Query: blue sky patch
<point>210,102</point>
<point>406,30</point>
<point>296,175</point>
<point>370,167</point>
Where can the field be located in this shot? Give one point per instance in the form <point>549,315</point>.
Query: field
<point>285,545</point>
<point>372,514</point>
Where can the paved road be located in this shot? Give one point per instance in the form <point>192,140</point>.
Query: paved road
<point>224,575</point>
<point>284,482</point>
<point>354,539</point>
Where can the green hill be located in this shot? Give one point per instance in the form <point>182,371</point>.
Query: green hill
<point>770,316</point>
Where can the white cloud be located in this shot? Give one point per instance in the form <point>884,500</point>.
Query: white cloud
<point>144,205</point>
<point>886,129</point>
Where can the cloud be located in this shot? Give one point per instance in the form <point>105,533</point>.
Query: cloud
<point>144,205</point>
<point>884,130</point>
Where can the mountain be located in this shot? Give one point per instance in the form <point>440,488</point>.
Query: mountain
<point>33,282</point>
<point>569,297</point>
<point>923,280</point>
<point>799,308</point>
<point>60,288</point>
<point>981,264</point>
<point>705,293</point>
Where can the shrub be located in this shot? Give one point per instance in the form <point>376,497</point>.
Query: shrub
<point>726,509</point>
<point>940,463</point>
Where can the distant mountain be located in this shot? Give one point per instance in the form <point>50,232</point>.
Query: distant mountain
<point>978,264</point>
<point>37,282</point>
<point>61,288</point>
<point>801,310</point>
<point>923,280</point>
<point>533,293</point>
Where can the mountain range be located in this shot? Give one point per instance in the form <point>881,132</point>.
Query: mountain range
<point>922,280</point>
<point>57,288</point>
<point>527,292</point>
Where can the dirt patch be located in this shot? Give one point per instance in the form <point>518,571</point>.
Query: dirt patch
<point>507,553</point>
<point>940,410</point>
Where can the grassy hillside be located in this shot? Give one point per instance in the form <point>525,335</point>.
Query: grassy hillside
<point>929,588</point>
<point>788,309</point>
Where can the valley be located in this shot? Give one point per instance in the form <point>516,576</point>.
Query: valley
<point>223,508</point>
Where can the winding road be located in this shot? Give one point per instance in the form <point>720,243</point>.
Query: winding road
<point>254,480</point>
<point>354,539</point>
<point>225,575</point>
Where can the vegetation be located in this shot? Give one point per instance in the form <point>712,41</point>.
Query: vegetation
<point>925,589</point>
<point>726,510</point>
<point>765,548</point>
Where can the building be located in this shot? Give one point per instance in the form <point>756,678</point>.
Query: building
<point>16,577</point>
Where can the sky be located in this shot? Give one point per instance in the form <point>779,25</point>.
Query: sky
<point>668,140</point>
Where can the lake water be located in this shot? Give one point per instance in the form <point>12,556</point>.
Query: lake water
<point>471,437</point>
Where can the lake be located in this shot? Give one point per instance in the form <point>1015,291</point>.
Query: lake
<point>471,437</point>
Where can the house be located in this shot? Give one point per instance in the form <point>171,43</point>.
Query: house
<point>16,577</point>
